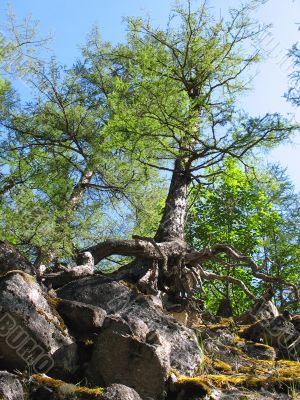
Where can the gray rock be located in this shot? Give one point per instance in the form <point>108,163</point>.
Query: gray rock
<point>120,392</point>
<point>10,387</point>
<point>99,291</point>
<point>42,393</point>
<point>117,298</point>
<point>118,324</point>
<point>124,359</point>
<point>80,317</point>
<point>30,331</point>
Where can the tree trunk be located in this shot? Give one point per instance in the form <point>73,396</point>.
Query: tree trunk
<point>12,259</point>
<point>172,223</point>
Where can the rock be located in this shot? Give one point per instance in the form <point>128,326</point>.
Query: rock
<point>118,324</point>
<point>244,394</point>
<point>30,331</point>
<point>127,326</point>
<point>120,392</point>
<point>181,317</point>
<point>80,317</point>
<point>42,393</point>
<point>99,291</point>
<point>121,358</point>
<point>259,351</point>
<point>117,298</point>
<point>57,279</point>
<point>139,342</point>
<point>277,332</point>
<point>12,259</point>
<point>10,387</point>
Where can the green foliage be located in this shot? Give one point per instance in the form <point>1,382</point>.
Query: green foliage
<point>256,216</point>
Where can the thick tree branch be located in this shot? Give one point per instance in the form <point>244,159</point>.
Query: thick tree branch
<point>139,247</point>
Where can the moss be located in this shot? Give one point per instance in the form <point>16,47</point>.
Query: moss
<point>257,374</point>
<point>222,366</point>
<point>29,279</point>
<point>53,303</point>
<point>67,388</point>
<point>238,339</point>
<point>212,326</point>
<point>262,346</point>
<point>249,381</point>
<point>59,324</point>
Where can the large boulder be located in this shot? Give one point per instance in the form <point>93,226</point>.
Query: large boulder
<point>125,359</point>
<point>31,333</point>
<point>10,387</point>
<point>144,333</point>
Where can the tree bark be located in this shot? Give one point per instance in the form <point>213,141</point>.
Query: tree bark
<point>12,259</point>
<point>172,223</point>
<point>80,188</point>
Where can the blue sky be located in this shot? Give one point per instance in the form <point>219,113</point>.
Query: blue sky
<point>70,21</point>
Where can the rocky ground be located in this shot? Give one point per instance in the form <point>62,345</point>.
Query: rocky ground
<point>95,338</point>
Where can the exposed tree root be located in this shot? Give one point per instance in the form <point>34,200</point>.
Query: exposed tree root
<point>180,265</point>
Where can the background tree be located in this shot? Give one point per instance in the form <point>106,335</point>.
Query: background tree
<point>256,213</point>
<point>72,171</point>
